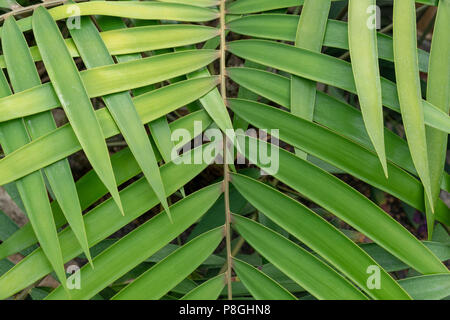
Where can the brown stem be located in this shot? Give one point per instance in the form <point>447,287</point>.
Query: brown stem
<point>226,174</point>
<point>236,249</point>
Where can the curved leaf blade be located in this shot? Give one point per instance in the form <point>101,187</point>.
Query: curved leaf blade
<point>408,88</point>
<point>317,234</point>
<point>438,93</point>
<point>23,75</point>
<point>167,273</point>
<point>209,290</point>
<point>258,284</point>
<point>72,94</point>
<point>310,34</point>
<point>301,266</point>
<point>391,263</point>
<point>213,102</point>
<point>109,79</point>
<point>429,287</point>
<point>148,38</point>
<point>364,56</point>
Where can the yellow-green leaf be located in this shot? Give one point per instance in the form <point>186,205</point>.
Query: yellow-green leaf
<point>362,38</point>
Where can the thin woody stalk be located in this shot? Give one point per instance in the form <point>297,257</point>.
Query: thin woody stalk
<point>226,179</point>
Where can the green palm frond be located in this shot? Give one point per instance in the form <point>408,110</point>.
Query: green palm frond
<point>158,93</point>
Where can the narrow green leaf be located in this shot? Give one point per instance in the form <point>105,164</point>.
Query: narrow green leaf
<point>213,104</point>
<point>209,290</point>
<point>260,285</point>
<point>252,6</point>
<point>319,235</point>
<point>144,241</point>
<point>58,174</point>
<point>120,105</point>
<point>141,39</point>
<point>199,3</point>
<point>325,69</point>
<point>284,26</point>
<point>72,94</point>
<point>245,93</point>
<point>143,72</point>
<point>438,93</point>
<point>166,274</point>
<point>310,34</point>
<point>159,128</point>
<point>429,287</point>
<point>362,38</point>
<point>391,263</point>
<point>347,204</point>
<point>408,87</point>
<point>297,263</point>
<point>148,38</point>
<point>329,112</point>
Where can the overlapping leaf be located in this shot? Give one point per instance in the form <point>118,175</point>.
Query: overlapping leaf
<point>23,75</point>
<point>72,95</point>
